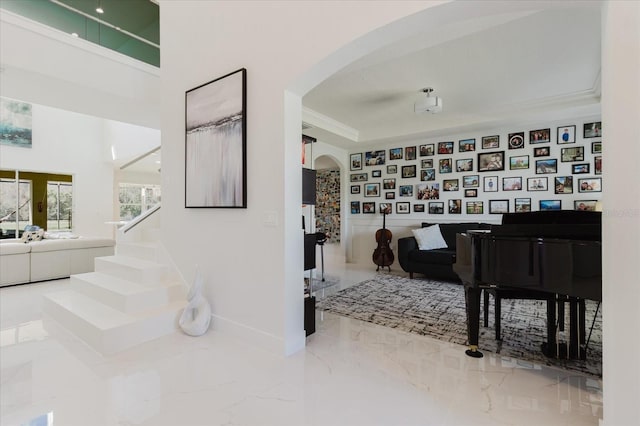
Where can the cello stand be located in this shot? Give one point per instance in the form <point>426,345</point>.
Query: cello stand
<point>378,268</point>
<point>321,238</point>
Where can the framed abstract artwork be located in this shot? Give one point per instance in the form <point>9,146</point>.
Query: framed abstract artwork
<point>216,142</point>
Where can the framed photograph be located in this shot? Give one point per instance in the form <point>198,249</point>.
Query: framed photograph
<point>593,130</point>
<point>410,153</point>
<point>355,189</point>
<point>491,161</point>
<point>392,169</point>
<point>356,161</point>
<point>428,174</point>
<point>372,190</point>
<point>585,205</point>
<point>597,164</point>
<point>537,184</point>
<point>455,206</point>
<point>519,162</point>
<point>596,147</point>
<point>512,183</point>
<point>590,185</point>
<point>470,193</point>
<point>575,153</point>
<point>445,147</point>
<point>385,207</point>
<point>542,151</point>
<point>498,206</point>
<point>403,207</point>
<point>355,207</point>
<point>550,205</point>
<point>406,190</point>
<point>450,185</point>
<point>427,164</point>
<point>216,143</point>
<point>409,171</point>
<point>389,183</point>
<point>475,207</point>
<point>490,184</point>
<point>546,166</point>
<point>376,173</point>
<point>418,208</point>
<point>516,140</point>
<point>491,142</point>
<point>466,145</point>
<point>445,165</point>
<point>436,207</point>
<point>359,177</point>
<point>427,150</point>
<point>369,207</point>
<point>539,136</point>
<point>395,154</point>
<point>522,205</point>
<point>464,165</point>
<point>428,191</point>
<point>390,195</point>
<point>471,181</point>
<point>566,134</point>
<point>374,158</point>
<point>577,169</point>
<point>563,184</point>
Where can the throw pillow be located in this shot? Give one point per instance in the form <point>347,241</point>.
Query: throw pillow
<point>429,238</point>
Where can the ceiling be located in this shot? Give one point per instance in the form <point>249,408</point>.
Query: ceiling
<point>511,68</point>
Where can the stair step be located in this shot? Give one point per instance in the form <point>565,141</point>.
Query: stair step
<point>132,269</point>
<point>106,329</point>
<point>139,250</point>
<point>124,295</point>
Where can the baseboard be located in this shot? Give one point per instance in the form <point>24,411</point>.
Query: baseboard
<point>259,338</point>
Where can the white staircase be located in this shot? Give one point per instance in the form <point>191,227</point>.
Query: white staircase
<point>131,298</point>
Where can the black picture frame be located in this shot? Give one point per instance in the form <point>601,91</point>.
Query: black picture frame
<point>405,191</point>
<point>490,184</point>
<point>597,164</point>
<point>444,166</point>
<point>390,195</point>
<point>491,142</point>
<point>426,163</point>
<point>475,207</point>
<point>471,181</point>
<point>522,205</point>
<point>539,136</point>
<point>455,206</point>
<point>512,183</point>
<point>355,189</point>
<point>403,207</point>
<point>542,151</point>
<point>537,183</point>
<point>356,161</point>
<point>515,140</point>
<point>375,158</point>
<point>359,177</point>
<point>464,165</point>
<point>585,205</point>
<point>389,183</point>
<point>519,162</point>
<point>385,207</point>
<point>369,207</point>
<point>592,130</point>
<point>427,150</point>
<point>596,147</point>
<point>466,145</point>
<point>409,171</point>
<point>418,208</point>
<point>547,166</point>
<point>570,155</point>
<point>470,193</point>
<point>216,143</point>
<point>590,185</point>
<point>445,147</point>
<point>376,173</point>
<point>395,153</point>
<point>392,169</point>
<point>436,207</point>
<point>410,153</point>
<point>550,205</point>
<point>451,185</point>
<point>372,189</point>
<point>582,168</point>
<point>566,134</point>
<point>427,174</point>
<point>563,184</point>
<point>355,207</point>
<point>491,161</point>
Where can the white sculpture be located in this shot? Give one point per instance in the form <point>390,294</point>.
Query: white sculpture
<point>196,317</point>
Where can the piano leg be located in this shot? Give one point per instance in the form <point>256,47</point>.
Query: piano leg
<point>472,299</point>
<point>551,349</point>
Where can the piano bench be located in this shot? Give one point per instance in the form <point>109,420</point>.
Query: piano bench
<point>504,293</point>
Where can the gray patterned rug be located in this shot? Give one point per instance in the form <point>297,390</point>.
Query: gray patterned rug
<point>437,309</point>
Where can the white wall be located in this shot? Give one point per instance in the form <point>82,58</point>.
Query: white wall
<point>71,143</point>
<point>621,215</point>
<point>361,226</point>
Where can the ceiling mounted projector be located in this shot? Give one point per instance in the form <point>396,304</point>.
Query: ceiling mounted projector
<point>428,103</point>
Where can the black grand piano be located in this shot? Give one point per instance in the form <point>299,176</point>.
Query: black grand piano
<point>550,255</point>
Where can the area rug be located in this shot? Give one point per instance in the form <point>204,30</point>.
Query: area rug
<point>437,309</point>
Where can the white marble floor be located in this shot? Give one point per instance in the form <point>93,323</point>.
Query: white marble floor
<point>351,373</point>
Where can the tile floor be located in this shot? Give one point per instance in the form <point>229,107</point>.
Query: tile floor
<point>351,373</point>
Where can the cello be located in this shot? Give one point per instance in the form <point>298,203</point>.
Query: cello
<point>382,255</point>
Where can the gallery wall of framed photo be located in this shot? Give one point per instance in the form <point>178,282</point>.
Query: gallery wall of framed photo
<point>540,166</point>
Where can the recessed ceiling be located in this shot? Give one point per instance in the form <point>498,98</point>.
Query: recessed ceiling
<point>513,67</point>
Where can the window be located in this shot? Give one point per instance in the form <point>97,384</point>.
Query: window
<point>59,203</point>
<point>14,198</point>
<point>136,199</point>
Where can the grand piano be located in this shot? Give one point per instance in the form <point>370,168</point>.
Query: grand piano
<point>551,255</point>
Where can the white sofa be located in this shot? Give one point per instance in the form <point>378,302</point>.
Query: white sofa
<point>50,258</point>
